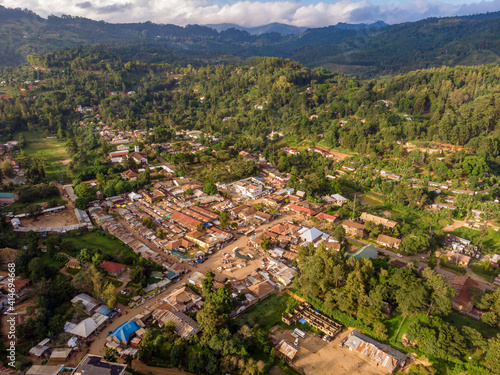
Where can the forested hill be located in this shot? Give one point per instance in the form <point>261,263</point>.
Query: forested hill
<point>242,104</point>
<point>372,51</point>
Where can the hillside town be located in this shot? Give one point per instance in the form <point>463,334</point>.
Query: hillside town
<point>248,235</point>
<point>246,218</point>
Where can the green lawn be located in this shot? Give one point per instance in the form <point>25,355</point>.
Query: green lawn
<point>460,320</point>
<point>109,246</point>
<point>266,313</point>
<point>48,259</point>
<point>392,325</point>
<point>53,151</point>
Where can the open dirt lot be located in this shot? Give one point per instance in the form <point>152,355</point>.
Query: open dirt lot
<point>215,260</point>
<point>57,219</point>
<point>318,357</point>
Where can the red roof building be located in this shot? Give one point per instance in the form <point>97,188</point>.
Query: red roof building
<point>112,267</point>
<point>297,208</point>
<point>185,220</point>
<point>327,217</point>
<point>115,154</point>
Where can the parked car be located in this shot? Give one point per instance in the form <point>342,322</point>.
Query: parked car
<point>125,291</point>
<point>342,342</point>
<point>399,255</point>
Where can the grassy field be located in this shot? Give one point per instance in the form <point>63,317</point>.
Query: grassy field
<point>53,151</point>
<point>414,217</point>
<point>48,259</point>
<point>268,312</point>
<point>111,247</point>
<point>460,320</point>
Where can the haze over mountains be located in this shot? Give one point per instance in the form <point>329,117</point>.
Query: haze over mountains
<point>362,49</point>
<point>285,29</point>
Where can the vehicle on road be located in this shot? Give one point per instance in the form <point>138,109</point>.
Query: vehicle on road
<point>342,342</point>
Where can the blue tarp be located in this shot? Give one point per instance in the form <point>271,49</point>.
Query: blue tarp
<point>178,254</point>
<point>171,275</point>
<point>104,310</point>
<point>302,321</point>
<point>123,332</point>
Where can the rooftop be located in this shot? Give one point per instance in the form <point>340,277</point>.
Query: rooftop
<point>96,365</point>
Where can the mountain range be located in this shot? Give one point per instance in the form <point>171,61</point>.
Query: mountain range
<point>366,50</point>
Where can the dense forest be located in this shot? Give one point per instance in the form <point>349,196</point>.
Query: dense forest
<point>366,51</point>
<point>243,104</point>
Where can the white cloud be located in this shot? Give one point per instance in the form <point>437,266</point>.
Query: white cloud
<point>253,13</point>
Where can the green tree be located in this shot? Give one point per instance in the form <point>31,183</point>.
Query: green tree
<point>441,294</point>
<point>209,188</point>
<point>493,355</point>
<point>223,220</point>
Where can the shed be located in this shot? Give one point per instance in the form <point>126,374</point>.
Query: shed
<point>61,354</point>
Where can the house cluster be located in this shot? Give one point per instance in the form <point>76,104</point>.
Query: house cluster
<point>120,137</point>
<point>81,330</point>
<point>356,228</point>
<point>140,158</point>
<point>251,187</point>
<point>291,236</point>
<point>290,151</point>
<point>195,135</point>
<point>461,246</point>
<point>254,287</point>
<point>127,336</point>
<point>90,364</point>
<point>247,215</point>
<point>189,146</point>
<point>17,174</point>
<point>175,217</point>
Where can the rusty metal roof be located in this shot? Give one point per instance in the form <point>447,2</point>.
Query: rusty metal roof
<point>388,357</point>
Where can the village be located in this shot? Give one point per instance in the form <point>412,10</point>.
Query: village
<point>248,234</point>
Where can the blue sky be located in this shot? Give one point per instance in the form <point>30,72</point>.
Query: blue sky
<point>309,13</point>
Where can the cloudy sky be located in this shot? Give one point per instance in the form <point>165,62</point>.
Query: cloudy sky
<point>310,13</point>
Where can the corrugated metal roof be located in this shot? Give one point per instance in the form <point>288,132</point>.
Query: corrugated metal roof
<point>385,355</point>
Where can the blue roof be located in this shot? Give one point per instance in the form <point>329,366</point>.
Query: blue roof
<point>171,274</point>
<point>103,310</point>
<point>124,331</point>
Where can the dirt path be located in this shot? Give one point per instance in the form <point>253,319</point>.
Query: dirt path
<point>294,296</point>
<point>456,224</point>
